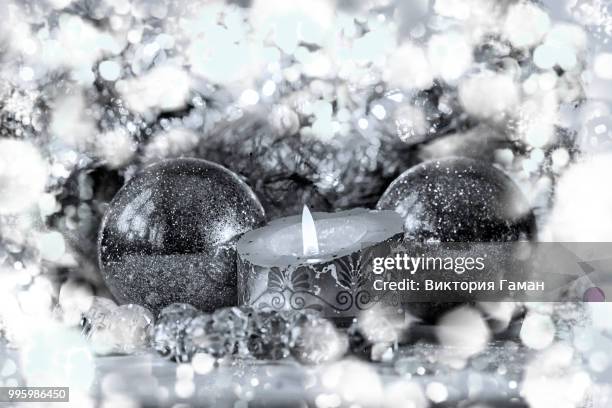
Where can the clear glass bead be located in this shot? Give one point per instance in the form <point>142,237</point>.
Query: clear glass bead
<point>168,334</point>
<point>96,317</point>
<point>315,340</point>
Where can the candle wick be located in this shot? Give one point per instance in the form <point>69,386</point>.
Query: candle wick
<point>310,242</point>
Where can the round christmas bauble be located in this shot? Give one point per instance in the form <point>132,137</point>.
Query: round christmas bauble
<point>169,235</point>
<point>459,200</point>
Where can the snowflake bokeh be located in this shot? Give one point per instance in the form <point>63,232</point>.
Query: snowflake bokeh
<point>322,102</point>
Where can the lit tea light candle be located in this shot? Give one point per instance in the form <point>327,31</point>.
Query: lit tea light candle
<point>320,261</point>
<point>310,241</point>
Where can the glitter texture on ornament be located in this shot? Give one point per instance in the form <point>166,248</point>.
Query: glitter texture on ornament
<point>141,139</point>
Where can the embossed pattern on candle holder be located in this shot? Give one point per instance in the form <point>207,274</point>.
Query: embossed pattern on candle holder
<point>338,285</point>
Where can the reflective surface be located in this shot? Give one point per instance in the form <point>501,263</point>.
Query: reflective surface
<point>169,235</point>
<point>459,199</point>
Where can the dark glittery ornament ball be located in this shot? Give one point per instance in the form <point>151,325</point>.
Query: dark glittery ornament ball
<point>459,200</point>
<point>169,235</point>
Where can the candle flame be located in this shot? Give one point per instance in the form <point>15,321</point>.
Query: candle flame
<point>310,243</point>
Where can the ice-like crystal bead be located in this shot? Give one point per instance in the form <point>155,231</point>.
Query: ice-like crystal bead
<point>168,334</point>
<point>129,328</point>
<point>96,317</point>
<point>220,334</point>
<point>315,340</point>
<point>234,322</point>
<point>269,335</point>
